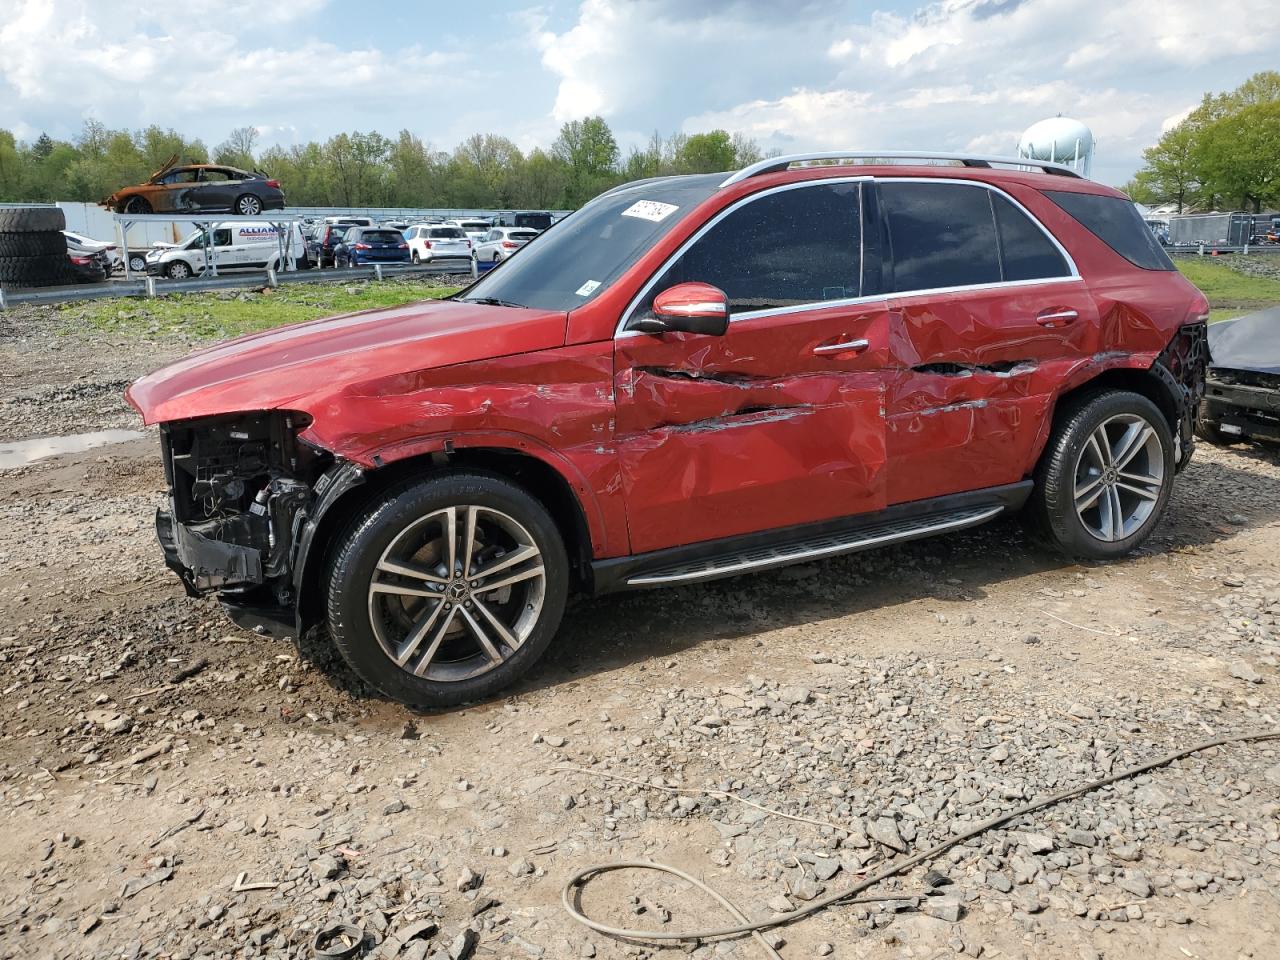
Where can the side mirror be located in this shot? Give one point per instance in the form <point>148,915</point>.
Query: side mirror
<point>688,308</point>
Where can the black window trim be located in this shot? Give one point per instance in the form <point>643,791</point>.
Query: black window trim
<point>887,279</point>
<point>878,248</point>
<point>627,314</point>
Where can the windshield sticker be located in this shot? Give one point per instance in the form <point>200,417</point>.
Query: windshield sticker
<point>650,210</point>
<point>587,289</point>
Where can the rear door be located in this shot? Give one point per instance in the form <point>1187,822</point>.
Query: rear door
<point>988,313</point>
<point>217,189</point>
<point>777,422</point>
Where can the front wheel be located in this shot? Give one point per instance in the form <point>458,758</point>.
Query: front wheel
<point>178,270</point>
<point>448,589</point>
<point>1105,477</point>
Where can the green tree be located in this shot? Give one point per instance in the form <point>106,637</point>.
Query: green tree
<point>1238,155</point>
<point>706,153</point>
<point>589,150</point>
<point>1171,173</point>
<point>237,149</point>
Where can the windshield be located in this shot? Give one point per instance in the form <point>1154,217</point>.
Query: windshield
<point>579,257</point>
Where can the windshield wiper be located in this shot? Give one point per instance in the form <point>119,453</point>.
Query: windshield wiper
<point>491,301</point>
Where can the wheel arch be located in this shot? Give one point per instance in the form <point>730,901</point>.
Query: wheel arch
<point>534,474</point>
<point>1144,381</point>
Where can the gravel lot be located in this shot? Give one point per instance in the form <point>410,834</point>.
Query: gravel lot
<point>154,760</point>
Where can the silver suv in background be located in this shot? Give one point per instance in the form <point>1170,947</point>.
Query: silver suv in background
<point>434,242</point>
<point>501,242</point>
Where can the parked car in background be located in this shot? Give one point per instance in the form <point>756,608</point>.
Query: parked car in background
<point>501,242</point>
<point>200,187</point>
<point>80,245</point>
<point>733,373</point>
<point>235,246</point>
<point>87,268</point>
<point>427,243</point>
<point>350,221</point>
<point>1242,390</point>
<point>474,229</point>
<point>323,240</point>
<point>534,221</point>
<point>361,245</point>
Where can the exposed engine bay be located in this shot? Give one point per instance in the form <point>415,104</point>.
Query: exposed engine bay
<point>240,486</point>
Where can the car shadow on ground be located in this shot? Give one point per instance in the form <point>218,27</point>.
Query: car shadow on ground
<point>1212,501</point>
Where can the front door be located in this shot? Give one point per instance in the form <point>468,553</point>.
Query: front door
<point>779,421</point>
<point>987,313</point>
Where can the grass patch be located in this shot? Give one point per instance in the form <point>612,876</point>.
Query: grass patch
<point>216,315</point>
<point>1230,293</point>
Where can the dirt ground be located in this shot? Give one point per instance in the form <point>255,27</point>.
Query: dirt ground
<point>897,696</point>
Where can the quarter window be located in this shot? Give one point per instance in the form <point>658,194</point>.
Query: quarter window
<point>1117,223</point>
<point>787,248</point>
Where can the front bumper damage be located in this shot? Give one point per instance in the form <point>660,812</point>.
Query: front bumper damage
<point>1243,403</point>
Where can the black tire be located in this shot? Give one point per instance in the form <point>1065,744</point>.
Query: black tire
<point>247,205</point>
<point>416,259</point>
<point>32,220</point>
<point>1207,430</point>
<point>179,270</point>
<point>1053,505</point>
<point>139,205</point>
<point>34,271</point>
<point>355,556</point>
<point>44,243</point>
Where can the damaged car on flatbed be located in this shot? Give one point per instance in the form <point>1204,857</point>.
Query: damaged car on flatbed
<point>689,378</point>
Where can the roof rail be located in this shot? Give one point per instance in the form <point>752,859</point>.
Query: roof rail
<point>774,164</point>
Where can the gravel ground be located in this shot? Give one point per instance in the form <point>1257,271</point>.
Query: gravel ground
<point>177,788</point>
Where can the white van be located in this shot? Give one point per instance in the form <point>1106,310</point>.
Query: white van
<point>251,245</point>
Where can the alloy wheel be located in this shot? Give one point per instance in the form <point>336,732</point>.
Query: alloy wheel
<point>250,207</point>
<point>457,592</point>
<point>1119,477</point>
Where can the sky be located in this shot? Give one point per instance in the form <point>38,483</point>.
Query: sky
<point>955,75</point>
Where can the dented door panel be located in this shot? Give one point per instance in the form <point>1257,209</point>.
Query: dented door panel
<point>714,433</point>
<point>977,371</point>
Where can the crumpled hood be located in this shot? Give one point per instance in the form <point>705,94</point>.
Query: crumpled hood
<point>297,367</point>
<point>1251,342</point>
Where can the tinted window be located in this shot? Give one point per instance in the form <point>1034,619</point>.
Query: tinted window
<point>522,234</point>
<point>212,176</point>
<point>941,235</point>
<point>446,233</point>
<point>1026,253</point>
<point>783,249</point>
<point>581,255</point>
<point>381,236</point>
<point>222,238</point>
<point>1117,223</point>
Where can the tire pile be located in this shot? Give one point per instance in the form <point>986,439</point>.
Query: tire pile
<point>33,251</point>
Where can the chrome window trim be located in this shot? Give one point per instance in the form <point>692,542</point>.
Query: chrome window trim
<point>1073,277</point>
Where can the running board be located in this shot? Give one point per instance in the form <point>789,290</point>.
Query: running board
<point>817,547</point>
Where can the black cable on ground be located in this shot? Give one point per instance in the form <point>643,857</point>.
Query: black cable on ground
<point>579,880</point>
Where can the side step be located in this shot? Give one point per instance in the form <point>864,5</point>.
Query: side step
<point>819,546</point>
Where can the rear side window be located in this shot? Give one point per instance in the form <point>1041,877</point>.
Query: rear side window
<point>941,235</point>
<point>1026,253</point>
<point>784,249</point>
<point>1116,222</point>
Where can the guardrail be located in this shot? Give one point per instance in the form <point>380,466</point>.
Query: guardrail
<point>159,286</point>
<point>1213,249</point>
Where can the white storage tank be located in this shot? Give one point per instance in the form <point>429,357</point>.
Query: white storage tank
<point>1059,140</point>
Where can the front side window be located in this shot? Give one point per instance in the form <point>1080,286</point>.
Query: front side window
<point>786,248</point>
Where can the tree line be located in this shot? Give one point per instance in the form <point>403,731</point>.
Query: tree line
<point>1225,155</point>
<point>356,169</point>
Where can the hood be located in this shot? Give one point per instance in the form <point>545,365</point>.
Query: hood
<point>297,367</point>
<point>1251,342</point>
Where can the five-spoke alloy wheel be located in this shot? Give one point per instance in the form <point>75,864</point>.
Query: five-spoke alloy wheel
<point>445,590</point>
<point>1106,474</point>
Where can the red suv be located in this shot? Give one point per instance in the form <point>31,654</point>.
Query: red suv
<point>689,378</point>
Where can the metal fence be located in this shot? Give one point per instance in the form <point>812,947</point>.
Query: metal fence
<point>158,287</point>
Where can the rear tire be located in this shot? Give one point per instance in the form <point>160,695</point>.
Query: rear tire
<point>432,637</point>
<point>1105,476</point>
<point>247,205</point>
<point>1207,430</point>
<point>415,258</point>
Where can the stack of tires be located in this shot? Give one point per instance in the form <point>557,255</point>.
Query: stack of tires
<point>33,251</point>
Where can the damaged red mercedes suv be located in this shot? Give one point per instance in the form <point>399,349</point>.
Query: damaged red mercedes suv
<point>689,378</point>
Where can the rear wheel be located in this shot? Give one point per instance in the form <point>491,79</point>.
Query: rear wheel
<point>447,590</point>
<point>415,257</point>
<point>247,205</point>
<point>1105,478</point>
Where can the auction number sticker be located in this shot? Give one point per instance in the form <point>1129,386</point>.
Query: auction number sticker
<point>650,210</point>
<point>587,288</point>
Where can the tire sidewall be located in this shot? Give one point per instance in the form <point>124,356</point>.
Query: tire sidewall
<point>358,549</point>
<point>1057,479</point>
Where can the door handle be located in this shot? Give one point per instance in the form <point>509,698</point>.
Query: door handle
<point>847,346</point>
<point>1056,318</point>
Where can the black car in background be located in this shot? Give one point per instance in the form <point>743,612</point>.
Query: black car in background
<point>1242,386</point>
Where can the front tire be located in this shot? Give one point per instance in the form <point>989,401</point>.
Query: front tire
<point>136,205</point>
<point>448,589</point>
<point>178,270</point>
<point>1105,477</point>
